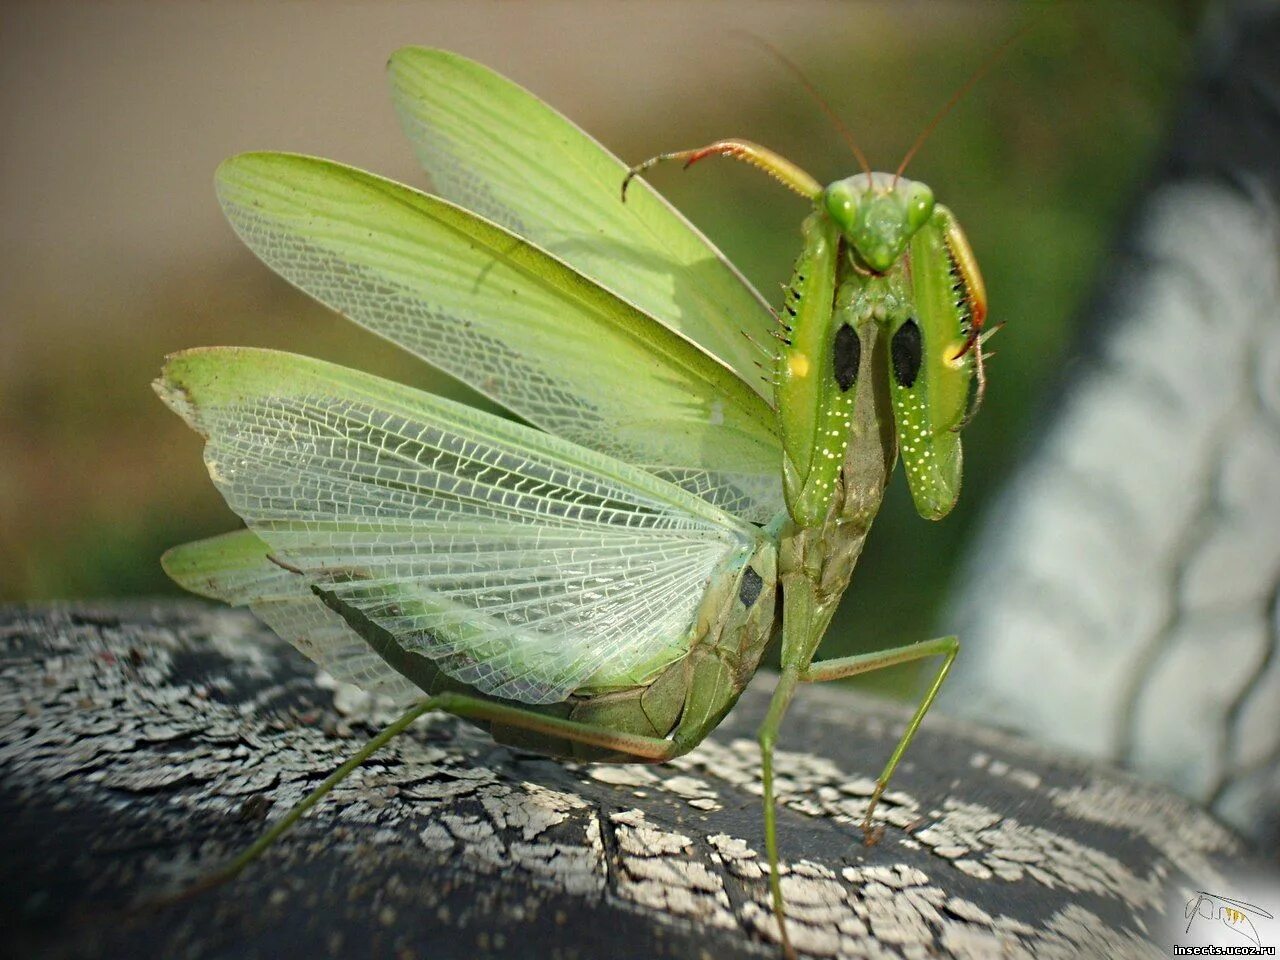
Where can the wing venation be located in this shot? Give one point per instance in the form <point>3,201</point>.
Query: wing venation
<point>520,563</point>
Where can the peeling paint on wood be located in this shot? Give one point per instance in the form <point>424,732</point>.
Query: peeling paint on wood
<point>142,745</point>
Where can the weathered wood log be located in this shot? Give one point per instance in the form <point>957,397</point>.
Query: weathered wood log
<point>143,744</point>
<point>1139,545</point>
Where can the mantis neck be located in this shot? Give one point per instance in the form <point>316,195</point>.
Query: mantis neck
<point>816,563</point>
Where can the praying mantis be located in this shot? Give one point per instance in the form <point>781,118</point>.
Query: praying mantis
<point>601,582</point>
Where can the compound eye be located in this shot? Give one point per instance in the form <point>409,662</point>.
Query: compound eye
<point>919,206</point>
<point>842,204</point>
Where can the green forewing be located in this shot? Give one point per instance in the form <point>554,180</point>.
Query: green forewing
<point>521,563</point>
<point>495,148</point>
<point>516,323</point>
<point>234,568</point>
<point>928,412</point>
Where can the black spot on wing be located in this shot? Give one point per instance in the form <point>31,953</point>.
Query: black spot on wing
<point>906,351</point>
<point>847,356</point>
<point>749,589</point>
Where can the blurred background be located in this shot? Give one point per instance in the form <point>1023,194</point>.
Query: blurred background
<point>115,253</point>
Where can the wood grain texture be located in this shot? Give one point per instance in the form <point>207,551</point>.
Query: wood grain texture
<point>143,744</point>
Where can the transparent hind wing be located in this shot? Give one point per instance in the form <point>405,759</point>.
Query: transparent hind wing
<point>520,563</point>
<point>517,324</point>
<point>495,148</point>
<point>234,568</point>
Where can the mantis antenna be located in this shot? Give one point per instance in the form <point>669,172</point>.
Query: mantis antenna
<point>817,97</point>
<point>959,95</point>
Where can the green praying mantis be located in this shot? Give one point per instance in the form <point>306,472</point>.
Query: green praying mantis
<point>602,583</point>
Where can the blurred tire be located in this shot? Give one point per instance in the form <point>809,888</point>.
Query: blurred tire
<point>1122,598</point>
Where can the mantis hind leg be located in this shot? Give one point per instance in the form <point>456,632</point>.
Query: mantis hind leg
<point>768,736</point>
<point>460,705</point>
<point>802,626</point>
<point>794,672</point>
<point>838,669</point>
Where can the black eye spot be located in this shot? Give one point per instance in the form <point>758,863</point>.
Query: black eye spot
<point>847,357</point>
<point>907,353</point>
<point>749,589</point>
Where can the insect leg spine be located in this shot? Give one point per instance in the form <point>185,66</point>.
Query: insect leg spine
<point>771,355</point>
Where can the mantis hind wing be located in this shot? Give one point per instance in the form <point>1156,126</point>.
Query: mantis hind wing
<point>520,563</point>
<point>233,568</point>
<point>495,148</point>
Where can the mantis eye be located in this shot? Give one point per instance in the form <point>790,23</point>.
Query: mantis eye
<point>919,203</point>
<point>842,204</point>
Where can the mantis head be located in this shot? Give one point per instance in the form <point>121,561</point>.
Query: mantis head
<point>878,213</point>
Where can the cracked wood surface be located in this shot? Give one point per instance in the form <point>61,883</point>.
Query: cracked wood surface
<point>143,744</point>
